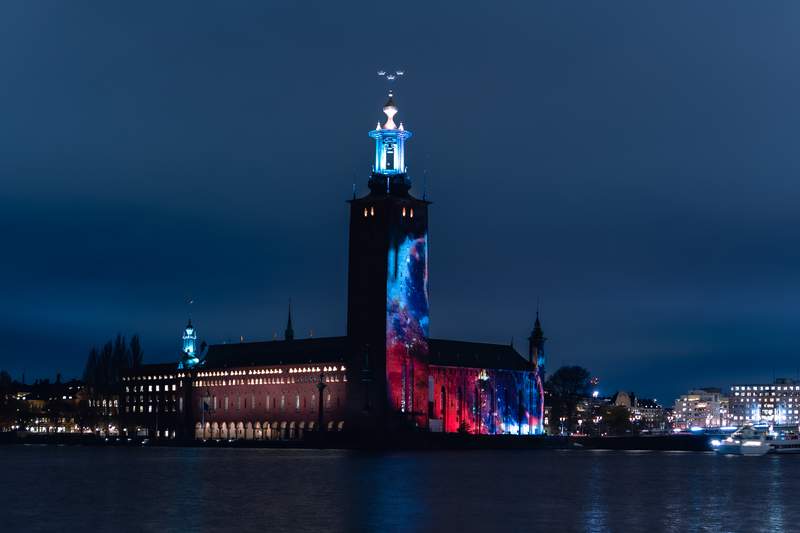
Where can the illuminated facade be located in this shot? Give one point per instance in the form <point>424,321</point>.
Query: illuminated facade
<point>701,408</point>
<point>775,403</point>
<point>386,373</point>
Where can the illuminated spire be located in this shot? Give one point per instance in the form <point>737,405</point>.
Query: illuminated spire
<point>389,172</point>
<point>189,357</point>
<point>288,334</point>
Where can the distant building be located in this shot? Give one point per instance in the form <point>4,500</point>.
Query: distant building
<point>703,408</point>
<point>45,407</point>
<point>649,414</point>
<point>624,399</point>
<point>775,403</point>
<point>646,414</point>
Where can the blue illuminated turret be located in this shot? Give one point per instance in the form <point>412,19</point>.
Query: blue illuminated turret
<point>189,358</point>
<point>389,173</point>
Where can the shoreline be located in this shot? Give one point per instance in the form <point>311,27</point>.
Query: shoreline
<point>390,442</point>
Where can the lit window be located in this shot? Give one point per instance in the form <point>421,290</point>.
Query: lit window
<point>365,212</point>
<point>412,213</point>
<point>372,211</point>
<point>404,211</point>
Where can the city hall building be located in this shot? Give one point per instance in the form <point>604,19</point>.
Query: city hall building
<point>385,373</point>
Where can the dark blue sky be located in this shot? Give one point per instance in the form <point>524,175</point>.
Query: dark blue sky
<point>632,164</point>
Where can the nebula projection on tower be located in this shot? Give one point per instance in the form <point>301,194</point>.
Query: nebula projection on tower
<point>407,325</point>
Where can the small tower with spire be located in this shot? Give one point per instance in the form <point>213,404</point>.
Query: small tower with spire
<point>288,333</point>
<point>536,344</point>
<point>189,357</point>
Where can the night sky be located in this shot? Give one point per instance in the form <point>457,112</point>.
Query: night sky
<point>633,165</point>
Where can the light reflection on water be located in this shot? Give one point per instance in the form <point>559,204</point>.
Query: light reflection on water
<point>188,489</point>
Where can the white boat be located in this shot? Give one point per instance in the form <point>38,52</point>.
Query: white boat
<point>784,446</point>
<point>744,441</point>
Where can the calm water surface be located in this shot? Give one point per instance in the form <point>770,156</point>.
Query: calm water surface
<point>188,489</point>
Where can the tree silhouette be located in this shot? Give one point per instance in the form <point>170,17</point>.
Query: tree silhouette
<point>567,386</point>
<point>136,353</point>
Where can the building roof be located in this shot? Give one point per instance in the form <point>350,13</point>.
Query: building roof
<point>285,352</point>
<point>326,349</point>
<point>475,355</point>
<point>153,368</point>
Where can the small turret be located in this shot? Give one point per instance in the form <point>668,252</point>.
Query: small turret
<point>288,333</point>
<point>536,344</point>
<point>189,357</point>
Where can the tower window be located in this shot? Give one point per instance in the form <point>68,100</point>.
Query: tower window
<point>404,211</point>
<point>365,212</point>
<point>412,213</point>
<point>372,211</point>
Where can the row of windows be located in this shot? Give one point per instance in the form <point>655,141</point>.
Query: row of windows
<point>150,409</point>
<point>151,378</point>
<point>268,381</point>
<point>102,403</point>
<point>140,388</point>
<point>265,371</point>
<point>370,212</point>
<point>767,387</point>
<point>767,394</point>
<point>150,399</point>
<point>757,416</point>
<point>270,402</point>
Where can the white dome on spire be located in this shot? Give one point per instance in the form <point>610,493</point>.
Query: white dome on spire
<point>391,110</point>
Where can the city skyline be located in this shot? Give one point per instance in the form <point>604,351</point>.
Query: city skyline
<point>224,179</point>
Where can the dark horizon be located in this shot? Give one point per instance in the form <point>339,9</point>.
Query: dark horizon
<point>632,169</point>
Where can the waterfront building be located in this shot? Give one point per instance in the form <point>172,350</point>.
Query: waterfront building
<point>701,408</point>
<point>384,373</point>
<point>649,414</point>
<point>776,403</point>
<point>53,407</point>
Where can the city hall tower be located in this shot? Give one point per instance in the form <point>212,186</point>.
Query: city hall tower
<point>387,304</point>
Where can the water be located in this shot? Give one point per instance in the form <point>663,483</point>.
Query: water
<point>190,489</point>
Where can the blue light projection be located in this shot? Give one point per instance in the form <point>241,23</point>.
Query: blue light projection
<point>407,324</point>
